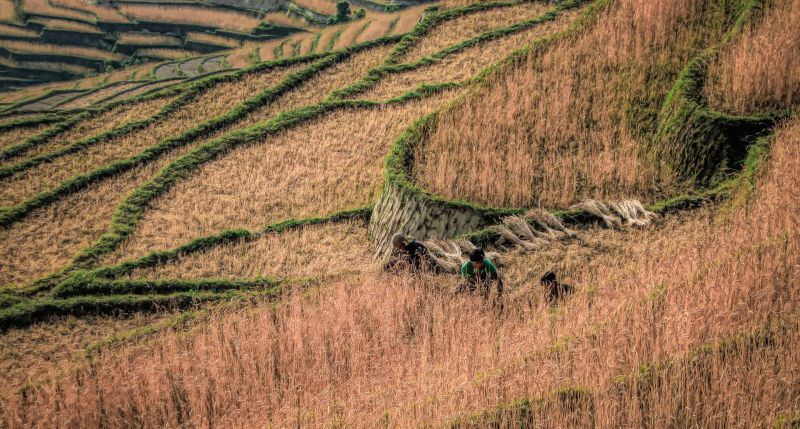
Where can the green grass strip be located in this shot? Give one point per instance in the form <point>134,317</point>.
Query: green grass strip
<point>205,243</point>
<point>43,137</point>
<point>314,43</point>
<point>333,41</point>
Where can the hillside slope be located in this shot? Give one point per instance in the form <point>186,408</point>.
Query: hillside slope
<point>203,255</point>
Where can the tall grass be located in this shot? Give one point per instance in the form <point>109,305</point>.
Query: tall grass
<point>760,71</point>
<point>402,351</point>
<point>567,123</point>
<point>212,18</point>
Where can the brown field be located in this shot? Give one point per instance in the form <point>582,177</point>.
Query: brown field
<point>329,249</point>
<point>43,7</point>
<point>327,37</point>
<point>13,136</point>
<point>146,39</point>
<point>349,35</point>
<point>45,48</point>
<point>400,349</point>
<point>167,53</point>
<point>7,13</point>
<point>5,119</point>
<point>282,19</point>
<point>320,6</point>
<point>408,19</point>
<point>64,24</point>
<point>146,88</point>
<point>13,30</point>
<point>90,99</point>
<point>47,239</point>
<point>550,144</point>
<point>375,28</point>
<point>307,41</point>
<point>464,65</point>
<point>242,57</point>
<point>467,26</point>
<point>46,65</point>
<point>272,181</point>
<point>41,351</point>
<point>760,71</point>
<point>217,18</point>
<point>104,14</point>
<point>94,125</point>
<point>214,39</point>
<point>211,103</point>
<point>312,91</point>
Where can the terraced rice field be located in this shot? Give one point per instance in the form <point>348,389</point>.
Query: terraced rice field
<point>292,254</point>
<point>277,153</point>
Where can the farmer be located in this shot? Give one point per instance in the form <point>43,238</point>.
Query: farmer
<point>407,252</point>
<point>479,272</point>
<point>553,289</point>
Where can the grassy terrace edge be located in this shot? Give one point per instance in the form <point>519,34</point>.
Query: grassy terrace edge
<point>683,102</point>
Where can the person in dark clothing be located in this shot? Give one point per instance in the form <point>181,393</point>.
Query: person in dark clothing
<point>407,252</point>
<point>553,289</point>
<point>479,272</point>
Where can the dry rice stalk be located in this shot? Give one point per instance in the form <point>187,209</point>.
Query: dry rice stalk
<point>599,210</point>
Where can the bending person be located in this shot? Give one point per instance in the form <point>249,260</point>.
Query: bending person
<point>407,253</point>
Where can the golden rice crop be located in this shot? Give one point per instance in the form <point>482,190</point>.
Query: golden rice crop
<point>13,136</point>
<point>403,350</point>
<point>96,96</point>
<point>146,39</point>
<point>7,13</point>
<point>167,53</point>
<point>328,38</point>
<point>65,24</point>
<point>209,104</point>
<point>242,57</point>
<point>328,249</point>
<point>408,19</point>
<point>470,25</point>
<point>331,164</point>
<point>43,7</point>
<point>573,114</point>
<point>93,125</point>
<point>42,351</point>
<point>326,7</point>
<point>375,28</point>
<point>103,14</point>
<point>349,35</point>
<point>463,65</point>
<point>48,238</point>
<point>50,49</point>
<point>145,88</point>
<point>194,36</point>
<point>282,19</point>
<point>760,70</point>
<point>49,66</point>
<point>13,30</point>
<point>213,18</point>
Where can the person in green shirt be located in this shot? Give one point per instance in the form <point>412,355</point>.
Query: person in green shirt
<point>479,272</point>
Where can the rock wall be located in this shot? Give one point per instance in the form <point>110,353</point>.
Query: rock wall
<point>419,216</point>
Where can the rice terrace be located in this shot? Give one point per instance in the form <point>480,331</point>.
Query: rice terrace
<point>399,213</point>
